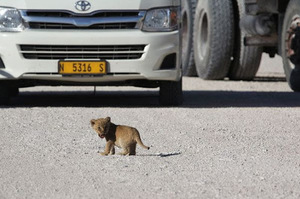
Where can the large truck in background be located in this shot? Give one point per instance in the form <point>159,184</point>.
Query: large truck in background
<point>226,38</point>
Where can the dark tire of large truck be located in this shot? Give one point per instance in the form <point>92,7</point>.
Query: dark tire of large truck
<point>170,93</point>
<point>188,12</point>
<point>290,45</point>
<point>246,59</point>
<point>4,95</point>
<point>213,38</point>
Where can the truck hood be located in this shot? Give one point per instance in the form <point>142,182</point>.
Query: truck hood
<point>95,4</point>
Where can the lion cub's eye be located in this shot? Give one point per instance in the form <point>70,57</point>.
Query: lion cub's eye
<point>99,128</point>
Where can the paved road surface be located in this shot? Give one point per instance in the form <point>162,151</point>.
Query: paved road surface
<point>230,139</point>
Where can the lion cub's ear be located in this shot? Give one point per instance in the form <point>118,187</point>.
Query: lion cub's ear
<point>93,122</point>
<point>107,119</point>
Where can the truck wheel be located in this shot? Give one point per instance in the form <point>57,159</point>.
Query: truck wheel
<point>213,38</point>
<point>4,95</point>
<point>13,91</point>
<point>290,44</point>
<point>246,59</point>
<point>188,12</point>
<point>170,93</point>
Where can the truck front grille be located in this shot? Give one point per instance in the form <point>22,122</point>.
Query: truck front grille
<point>54,19</point>
<point>107,52</point>
<point>35,25</point>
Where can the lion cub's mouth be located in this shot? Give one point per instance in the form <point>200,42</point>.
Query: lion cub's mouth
<point>101,136</point>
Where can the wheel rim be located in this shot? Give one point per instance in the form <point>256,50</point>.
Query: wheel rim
<point>202,45</point>
<point>290,36</point>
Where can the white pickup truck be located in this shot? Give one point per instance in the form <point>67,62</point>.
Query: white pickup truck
<point>91,42</point>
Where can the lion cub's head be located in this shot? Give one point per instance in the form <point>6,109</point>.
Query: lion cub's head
<point>101,126</point>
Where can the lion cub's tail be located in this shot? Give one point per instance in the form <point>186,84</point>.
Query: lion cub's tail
<point>139,141</point>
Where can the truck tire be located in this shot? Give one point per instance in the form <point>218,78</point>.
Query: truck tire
<point>170,93</point>
<point>4,95</point>
<point>213,38</point>
<point>13,91</point>
<point>290,45</point>
<point>246,59</point>
<point>188,12</point>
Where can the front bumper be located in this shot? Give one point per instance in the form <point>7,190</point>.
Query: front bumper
<point>148,67</point>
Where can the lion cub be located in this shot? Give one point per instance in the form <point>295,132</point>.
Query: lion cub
<point>121,136</point>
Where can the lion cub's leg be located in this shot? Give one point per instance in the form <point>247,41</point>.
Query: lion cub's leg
<point>108,147</point>
<point>125,151</point>
<point>112,151</point>
<point>129,150</point>
<point>132,149</point>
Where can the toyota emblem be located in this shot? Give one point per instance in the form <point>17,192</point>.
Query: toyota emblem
<point>82,5</point>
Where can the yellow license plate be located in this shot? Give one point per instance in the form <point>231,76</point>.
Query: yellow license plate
<point>82,67</point>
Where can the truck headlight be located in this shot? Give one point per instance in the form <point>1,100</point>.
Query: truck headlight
<point>10,20</point>
<point>161,19</point>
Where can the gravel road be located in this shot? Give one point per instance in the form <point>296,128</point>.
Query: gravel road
<point>229,140</point>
